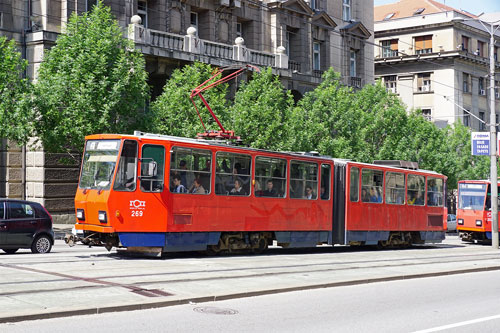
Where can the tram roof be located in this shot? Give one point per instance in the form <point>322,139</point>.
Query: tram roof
<point>313,155</point>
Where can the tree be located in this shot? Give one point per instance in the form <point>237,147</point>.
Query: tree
<point>173,111</point>
<point>91,81</point>
<point>16,114</point>
<point>325,121</point>
<point>261,112</point>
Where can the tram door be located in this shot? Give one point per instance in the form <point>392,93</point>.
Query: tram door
<point>339,195</point>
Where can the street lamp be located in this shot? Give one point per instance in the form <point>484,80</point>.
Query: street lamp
<point>491,28</point>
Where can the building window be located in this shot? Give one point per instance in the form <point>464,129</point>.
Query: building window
<point>194,21</point>
<point>482,125</point>
<point>346,10</point>
<point>313,4</point>
<point>427,114</point>
<point>390,83</point>
<point>481,89</point>
<point>465,43</point>
<point>423,44</point>
<point>480,49</point>
<point>389,48</point>
<point>239,30</point>
<point>495,55</point>
<point>497,85</point>
<point>466,118</point>
<point>142,11</point>
<point>466,83</point>
<point>287,43</point>
<point>424,82</point>
<point>419,11</point>
<point>90,4</point>
<point>352,67</point>
<point>389,16</point>
<point>316,56</point>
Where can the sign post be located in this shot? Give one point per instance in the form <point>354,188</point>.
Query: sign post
<point>480,143</point>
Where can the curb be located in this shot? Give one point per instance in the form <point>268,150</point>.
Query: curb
<point>204,299</point>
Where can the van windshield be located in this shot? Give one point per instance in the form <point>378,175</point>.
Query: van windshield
<point>471,196</point>
<point>98,164</point>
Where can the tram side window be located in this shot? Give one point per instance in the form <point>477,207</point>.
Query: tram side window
<point>325,182</point>
<point>303,180</point>
<point>435,190</point>
<point>125,179</point>
<point>371,185</point>
<point>190,170</point>
<point>354,185</point>
<point>232,174</point>
<point>395,188</point>
<point>416,190</point>
<point>152,158</point>
<point>270,177</point>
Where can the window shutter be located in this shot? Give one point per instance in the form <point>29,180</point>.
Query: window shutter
<point>394,44</point>
<point>419,43</point>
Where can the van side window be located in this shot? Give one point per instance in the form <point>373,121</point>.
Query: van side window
<point>372,182</point>
<point>232,174</point>
<point>152,168</point>
<point>191,168</point>
<point>270,177</point>
<point>416,190</point>
<point>354,185</point>
<point>395,188</point>
<point>324,192</point>
<point>303,180</point>
<point>2,210</point>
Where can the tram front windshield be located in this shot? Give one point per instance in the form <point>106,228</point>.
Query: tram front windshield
<point>471,196</point>
<point>99,163</point>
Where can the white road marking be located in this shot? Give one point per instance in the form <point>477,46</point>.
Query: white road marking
<point>463,323</point>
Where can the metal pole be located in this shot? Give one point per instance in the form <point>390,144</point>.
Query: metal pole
<point>493,145</point>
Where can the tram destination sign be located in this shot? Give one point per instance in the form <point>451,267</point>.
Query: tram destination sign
<point>480,143</point>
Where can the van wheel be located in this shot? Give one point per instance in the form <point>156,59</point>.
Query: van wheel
<point>10,251</point>
<point>41,244</point>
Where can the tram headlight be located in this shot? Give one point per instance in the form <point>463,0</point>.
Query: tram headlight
<point>80,214</point>
<point>461,221</point>
<point>479,223</point>
<point>102,216</point>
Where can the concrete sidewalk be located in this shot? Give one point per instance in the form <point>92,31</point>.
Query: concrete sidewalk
<point>82,280</point>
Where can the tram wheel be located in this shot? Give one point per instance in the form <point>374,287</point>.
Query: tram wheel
<point>262,246</point>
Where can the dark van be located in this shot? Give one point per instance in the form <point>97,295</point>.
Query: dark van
<point>25,225</point>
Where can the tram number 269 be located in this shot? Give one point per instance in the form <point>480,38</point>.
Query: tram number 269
<point>137,213</point>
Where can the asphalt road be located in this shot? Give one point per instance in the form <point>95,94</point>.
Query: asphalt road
<point>456,303</point>
<point>82,280</point>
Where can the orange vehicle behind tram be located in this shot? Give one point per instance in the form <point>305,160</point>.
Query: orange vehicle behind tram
<point>160,194</point>
<point>474,210</point>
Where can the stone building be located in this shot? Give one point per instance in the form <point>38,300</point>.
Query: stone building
<point>298,39</point>
<point>436,58</point>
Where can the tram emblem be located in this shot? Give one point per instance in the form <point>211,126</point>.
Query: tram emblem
<point>137,204</point>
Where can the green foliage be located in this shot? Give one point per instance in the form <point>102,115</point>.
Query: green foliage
<point>91,81</point>
<point>325,121</point>
<point>261,111</point>
<point>16,114</point>
<point>174,113</point>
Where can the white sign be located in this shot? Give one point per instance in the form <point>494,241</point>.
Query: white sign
<point>480,144</point>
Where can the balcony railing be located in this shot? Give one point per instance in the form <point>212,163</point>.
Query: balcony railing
<point>166,40</point>
<point>355,82</point>
<point>262,58</point>
<point>222,51</point>
<point>294,66</point>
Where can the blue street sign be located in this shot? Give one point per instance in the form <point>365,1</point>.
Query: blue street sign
<point>480,143</point>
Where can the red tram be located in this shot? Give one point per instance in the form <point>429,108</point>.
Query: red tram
<point>474,210</point>
<point>159,194</point>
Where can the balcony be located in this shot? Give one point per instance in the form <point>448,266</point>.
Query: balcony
<point>354,82</point>
<point>191,48</point>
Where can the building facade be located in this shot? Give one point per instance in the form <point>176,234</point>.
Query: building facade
<point>436,59</point>
<point>298,39</point>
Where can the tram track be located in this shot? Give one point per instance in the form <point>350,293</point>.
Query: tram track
<point>108,281</point>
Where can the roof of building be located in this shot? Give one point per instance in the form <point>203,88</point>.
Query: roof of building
<point>408,8</point>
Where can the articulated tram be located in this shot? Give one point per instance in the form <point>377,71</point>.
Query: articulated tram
<point>159,194</point>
